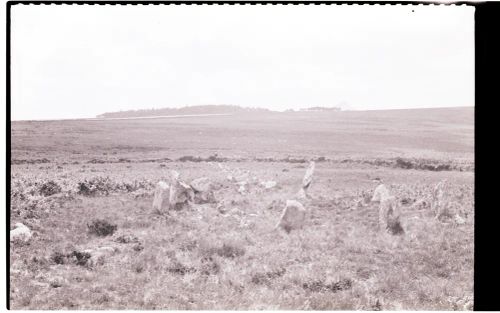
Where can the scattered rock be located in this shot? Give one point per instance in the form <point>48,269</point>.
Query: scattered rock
<point>459,220</point>
<point>419,204</point>
<point>57,282</point>
<point>127,239</point>
<point>20,233</point>
<point>138,247</point>
<point>98,256</point>
<point>203,190</point>
<point>221,208</point>
<point>269,184</point>
<point>242,189</point>
<point>293,217</point>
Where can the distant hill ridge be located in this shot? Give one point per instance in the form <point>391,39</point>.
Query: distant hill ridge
<point>196,109</point>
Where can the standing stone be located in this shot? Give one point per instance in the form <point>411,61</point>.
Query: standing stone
<point>294,216</point>
<point>306,181</point>
<point>438,201</point>
<point>161,191</point>
<point>380,193</point>
<point>389,214</point>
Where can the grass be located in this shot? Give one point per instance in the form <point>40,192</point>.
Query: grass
<point>226,255</point>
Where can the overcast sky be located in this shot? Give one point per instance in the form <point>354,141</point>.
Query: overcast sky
<point>81,61</point>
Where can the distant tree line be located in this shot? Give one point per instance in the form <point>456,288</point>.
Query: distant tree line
<point>187,110</point>
<point>321,109</point>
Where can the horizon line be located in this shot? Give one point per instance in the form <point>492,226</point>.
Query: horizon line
<point>221,114</point>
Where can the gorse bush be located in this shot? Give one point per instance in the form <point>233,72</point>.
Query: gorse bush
<point>95,186</point>
<point>101,228</point>
<point>50,188</point>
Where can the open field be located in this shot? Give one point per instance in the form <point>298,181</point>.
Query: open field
<point>227,255</point>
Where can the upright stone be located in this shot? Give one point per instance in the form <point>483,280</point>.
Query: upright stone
<point>161,190</point>
<point>293,217</point>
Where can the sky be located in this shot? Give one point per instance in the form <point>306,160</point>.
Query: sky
<point>78,61</point>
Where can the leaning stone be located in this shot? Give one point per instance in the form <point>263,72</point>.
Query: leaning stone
<point>306,181</point>
<point>21,233</point>
<point>181,194</point>
<point>294,216</point>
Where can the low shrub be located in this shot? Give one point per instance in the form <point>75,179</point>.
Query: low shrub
<point>101,228</point>
<point>50,188</point>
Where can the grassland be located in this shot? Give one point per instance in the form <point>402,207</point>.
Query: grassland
<point>226,255</point>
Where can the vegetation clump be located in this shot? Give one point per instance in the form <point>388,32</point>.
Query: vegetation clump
<point>101,228</point>
<point>95,186</point>
<point>321,286</point>
<point>50,188</point>
<point>267,277</point>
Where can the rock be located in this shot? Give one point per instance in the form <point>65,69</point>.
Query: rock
<point>293,217</point>
<point>21,233</point>
<point>107,250</point>
<point>419,204</point>
<point>127,239</point>
<point>242,189</point>
<point>389,214</point>
<point>57,282</point>
<point>99,255</point>
<point>203,190</point>
<point>438,198</point>
<point>269,184</point>
<point>306,181</point>
<point>181,194</point>
<point>459,220</point>
<point>380,194</point>
<point>221,208</point>
<point>161,192</point>
<point>301,194</point>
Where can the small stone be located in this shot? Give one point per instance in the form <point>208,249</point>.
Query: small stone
<point>21,233</point>
<point>269,184</point>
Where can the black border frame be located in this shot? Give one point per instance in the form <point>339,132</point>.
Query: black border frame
<point>487,19</point>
